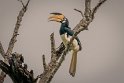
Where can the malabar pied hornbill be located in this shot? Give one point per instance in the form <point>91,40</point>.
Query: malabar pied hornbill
<point>66,34</point>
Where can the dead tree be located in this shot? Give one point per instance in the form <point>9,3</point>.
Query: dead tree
<point>13,64</point>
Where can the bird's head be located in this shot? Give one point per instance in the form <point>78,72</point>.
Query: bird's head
<point>58,17</point>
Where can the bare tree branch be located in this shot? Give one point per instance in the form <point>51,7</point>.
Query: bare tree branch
<point>17,26</point>
<point>13,39</point>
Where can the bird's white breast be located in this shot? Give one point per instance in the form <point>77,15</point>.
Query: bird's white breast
<point>66,40</point>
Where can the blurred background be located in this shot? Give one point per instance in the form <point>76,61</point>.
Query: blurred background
<point>102,57</point>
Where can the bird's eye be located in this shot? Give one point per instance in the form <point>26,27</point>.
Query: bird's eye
<point>63,21</point>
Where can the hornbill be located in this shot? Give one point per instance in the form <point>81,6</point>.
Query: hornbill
<point>66,34</point>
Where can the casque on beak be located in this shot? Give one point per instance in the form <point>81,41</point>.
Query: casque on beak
<point>58,17</point>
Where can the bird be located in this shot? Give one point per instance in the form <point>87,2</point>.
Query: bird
<point>66,34</point>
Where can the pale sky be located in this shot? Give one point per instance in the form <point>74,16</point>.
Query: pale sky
<point>102,57</point>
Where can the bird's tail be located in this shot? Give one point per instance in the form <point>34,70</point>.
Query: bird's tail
<point>72,69</point>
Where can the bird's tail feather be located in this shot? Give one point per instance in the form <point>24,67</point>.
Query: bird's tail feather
<point>72,69</point>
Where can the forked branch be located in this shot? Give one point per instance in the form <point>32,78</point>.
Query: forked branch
<point>6,55</point>
<point>17,26</point>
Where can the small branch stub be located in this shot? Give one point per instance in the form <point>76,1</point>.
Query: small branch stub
<point>79,12</point>
<point>44,63</point>
<point>53,49</point>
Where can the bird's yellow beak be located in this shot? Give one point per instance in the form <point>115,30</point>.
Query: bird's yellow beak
<point>55,17</point>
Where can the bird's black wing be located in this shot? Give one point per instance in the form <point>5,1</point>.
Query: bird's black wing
<point>69,31</point>
<point>79,43</point>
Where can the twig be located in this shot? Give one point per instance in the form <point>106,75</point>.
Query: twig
<point>79,12</point>
<point>22,3</point>
<point>97,6</point>
<point>27,3</point>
